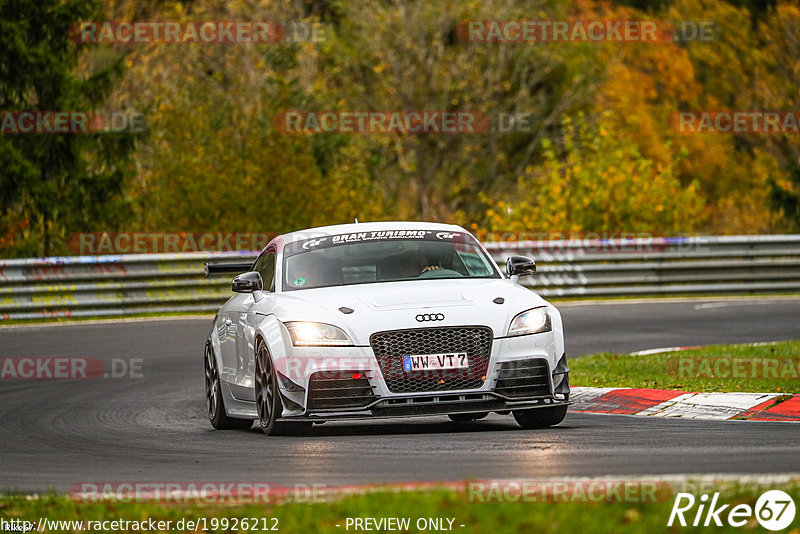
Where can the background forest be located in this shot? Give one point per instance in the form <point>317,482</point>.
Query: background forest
<point>600,153</point>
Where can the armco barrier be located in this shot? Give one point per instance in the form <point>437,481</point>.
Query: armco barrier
<point>660,266</point>
<point>76,286</point>
<point>88,286</point>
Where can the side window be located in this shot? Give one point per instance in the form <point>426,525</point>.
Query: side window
<point>265,265</point>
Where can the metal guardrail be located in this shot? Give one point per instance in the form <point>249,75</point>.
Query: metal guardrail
<point>661,266</point>
<point>81,286</point>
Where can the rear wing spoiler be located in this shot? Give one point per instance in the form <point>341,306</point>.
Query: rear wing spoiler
<point>220,268</point>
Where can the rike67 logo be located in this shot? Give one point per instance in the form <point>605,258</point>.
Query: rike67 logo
<point>774,510</point>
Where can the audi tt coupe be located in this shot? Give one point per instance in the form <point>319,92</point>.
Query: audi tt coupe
<point>388,319</point>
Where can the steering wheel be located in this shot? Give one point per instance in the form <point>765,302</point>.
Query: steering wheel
<point>440,273</point>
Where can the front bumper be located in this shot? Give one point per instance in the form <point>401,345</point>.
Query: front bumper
<point>421,406</point>
<point>356,376</point>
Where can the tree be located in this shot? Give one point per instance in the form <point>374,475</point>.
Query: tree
<point>52,184</point>
<point>785,196</point>
<point>777,90</point>
<point>597,180</point>
<point>214,159</point>
<point>402,56</point>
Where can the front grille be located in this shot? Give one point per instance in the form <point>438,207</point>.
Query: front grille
<point>338,389</point>
<point>523,378</point>
<point>389,348</point>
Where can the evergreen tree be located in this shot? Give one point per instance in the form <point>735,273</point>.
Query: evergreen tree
<point>55,183</point>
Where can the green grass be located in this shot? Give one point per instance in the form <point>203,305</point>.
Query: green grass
<point>494,518</point>
<point>758,369</point>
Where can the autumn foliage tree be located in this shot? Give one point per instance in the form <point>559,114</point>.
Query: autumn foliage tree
<point>598,151</point>
<point>591,181</point>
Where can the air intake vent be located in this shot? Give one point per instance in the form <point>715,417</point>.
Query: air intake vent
<point>524,378</point>
<point>329,390</point>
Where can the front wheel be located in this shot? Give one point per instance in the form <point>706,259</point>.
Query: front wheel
<point>540,417</point>
<point>268,402</point>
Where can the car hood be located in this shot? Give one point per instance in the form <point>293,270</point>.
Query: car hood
<point>409,304</point>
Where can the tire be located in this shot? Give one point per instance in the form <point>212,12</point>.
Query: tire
<point>540,417</point>
<point>268,402</point>
<point>467,417</point>
<point>215,405</point>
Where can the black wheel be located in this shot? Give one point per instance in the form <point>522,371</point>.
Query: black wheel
<point>268,402</point>
<point>467,417</point>
<point>540,417</point>
<point>215,406</point>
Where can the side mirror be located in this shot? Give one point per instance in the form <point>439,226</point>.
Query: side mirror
<point>520,266</point>
<point>247,283</point>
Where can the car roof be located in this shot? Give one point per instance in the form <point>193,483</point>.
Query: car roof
<point>368,227</point>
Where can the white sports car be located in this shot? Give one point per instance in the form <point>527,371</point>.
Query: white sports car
<point>387,319</point>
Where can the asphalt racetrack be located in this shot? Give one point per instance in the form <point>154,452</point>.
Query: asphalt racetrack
<point>153,428</point>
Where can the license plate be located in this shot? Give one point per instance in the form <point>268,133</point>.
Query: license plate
<point>428,362</point>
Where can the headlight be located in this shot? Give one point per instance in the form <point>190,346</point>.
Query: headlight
<point>531,322</point>
<point>317,335</point>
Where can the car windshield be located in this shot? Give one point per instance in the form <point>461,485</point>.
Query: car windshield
<point>383,256</point>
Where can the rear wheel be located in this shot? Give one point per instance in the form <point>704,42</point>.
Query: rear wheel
<point>215,405</point>
<point>540,417</point>
<point>268,402</point>
<point>467,417</point>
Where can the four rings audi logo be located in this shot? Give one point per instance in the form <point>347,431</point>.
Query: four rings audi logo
<point>422,317</point>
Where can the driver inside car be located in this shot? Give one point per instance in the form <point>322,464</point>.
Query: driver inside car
<point>414,264</point>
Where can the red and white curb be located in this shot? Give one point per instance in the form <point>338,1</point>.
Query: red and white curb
<point>671,403</point>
